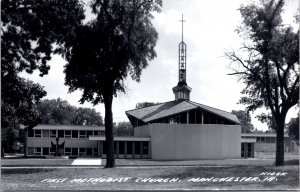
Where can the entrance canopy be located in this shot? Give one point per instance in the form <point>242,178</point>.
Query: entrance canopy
<point>127,138</point>
<point>248,140</point>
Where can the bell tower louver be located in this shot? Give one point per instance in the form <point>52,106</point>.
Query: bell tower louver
<point>182,90</point>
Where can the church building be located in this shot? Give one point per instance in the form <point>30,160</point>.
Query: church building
<point>184,129</point>
<point>180,129</point>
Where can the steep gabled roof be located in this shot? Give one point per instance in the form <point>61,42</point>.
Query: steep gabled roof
<point>158,111</point>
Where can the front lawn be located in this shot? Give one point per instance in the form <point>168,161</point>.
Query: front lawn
<point>153,177</point>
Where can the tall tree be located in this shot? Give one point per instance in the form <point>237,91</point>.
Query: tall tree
<point>19,98</point>
<point>119,42</point>
<point>245,120</point>
<point>270,69</point>
<point>29,30</point>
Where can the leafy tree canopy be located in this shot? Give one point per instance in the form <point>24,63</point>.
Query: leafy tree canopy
<point>30,32</point>
<point>268,63</point>
<point>118,43</point>
<point>123,128</point>
<point>57,111</point>
<point>87,116</point>
<point>29,29</point>
<point>18,107</point>
<point>245,120</point>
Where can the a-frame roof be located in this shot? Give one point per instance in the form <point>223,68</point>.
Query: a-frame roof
<point>166,109</point>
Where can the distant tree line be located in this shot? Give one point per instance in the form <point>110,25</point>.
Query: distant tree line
<point>245,120</point>
<point>145,104</point>
<point>60,112</point>
<point>123,128</point>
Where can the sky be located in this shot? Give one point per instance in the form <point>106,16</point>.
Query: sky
<point>208,32</point>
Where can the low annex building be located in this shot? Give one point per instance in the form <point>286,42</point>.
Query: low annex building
<point>89,141</point>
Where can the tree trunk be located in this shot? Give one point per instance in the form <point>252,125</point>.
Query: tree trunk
<point>25,141</point>
<point>109,137</point>
<point>280,143</point>
<point>2,150</point>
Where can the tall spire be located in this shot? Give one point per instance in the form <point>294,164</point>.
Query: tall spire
<point>182,91</point>
<point>182,27</point>
<point>182,56</point>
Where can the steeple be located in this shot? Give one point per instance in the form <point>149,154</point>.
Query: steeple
<point>182,91</point>
<point>182,56</point>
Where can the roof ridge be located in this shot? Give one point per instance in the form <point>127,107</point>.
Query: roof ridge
<point>163,107</point>
<point>211,107</point>
<point>148,106</point>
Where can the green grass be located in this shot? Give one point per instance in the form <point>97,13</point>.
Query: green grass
<point>36,162</point>
<point>136,162</point>
<point>30,179</point>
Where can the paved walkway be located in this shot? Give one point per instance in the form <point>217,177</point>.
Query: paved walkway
<point>87,161</point>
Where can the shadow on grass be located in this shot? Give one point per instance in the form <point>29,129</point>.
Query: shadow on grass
<point>24,171</point>
<point>292,162</point>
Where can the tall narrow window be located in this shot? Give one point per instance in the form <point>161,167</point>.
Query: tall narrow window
<point>61,133</point>
<point>129,147</point>
<point>89,151</point>
<point>89,133</point>
<point>67,133</point>
<point>75,134</point>
<point>82,134</point>
<point>81,151</point>
<point>206,118</point>
<point>145,147</point>
<point>115,147</point>
<point>137,148</point>
<point>121,147</point>
<point>75,151</point>
<point>95,152</point>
